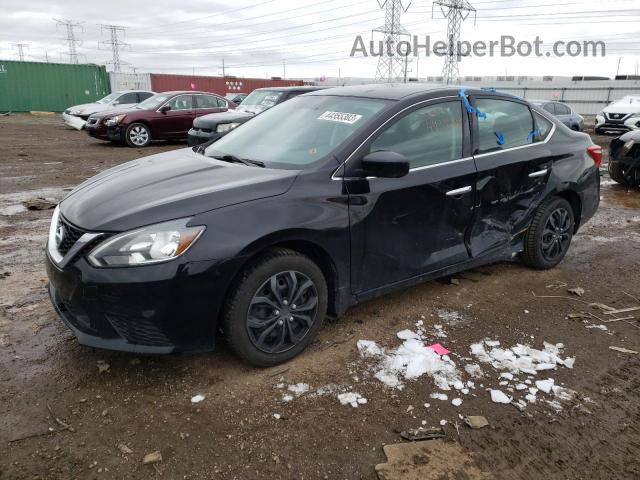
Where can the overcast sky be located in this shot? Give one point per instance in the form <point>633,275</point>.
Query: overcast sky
<point>313,37</point>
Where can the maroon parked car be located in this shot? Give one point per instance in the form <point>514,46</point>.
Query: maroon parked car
<point>165,116</point>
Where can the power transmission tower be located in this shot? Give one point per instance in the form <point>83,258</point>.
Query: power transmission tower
<point>391,67</point>
<point>456,12</point>
<point>115,44</point>
<point>21,47</point>
<point>73,43</point>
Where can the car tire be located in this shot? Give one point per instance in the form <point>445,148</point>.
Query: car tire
<point>261,322</point>
<point>137,135</point>
<point>599,131</point>
<point>549,236</point>
<point>618,174</point>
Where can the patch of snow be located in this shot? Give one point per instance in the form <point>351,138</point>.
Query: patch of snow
<point>367,347</point>
<point>351,398</point>
<point>408,335</point>
<point>598,327</point>
<point>474,370</point>
<point>440,396</point>
<point>456,402</point>
<point>410,361</point>
<point>299,388</point>
<point>197,398</point>
<point>545,385</point>
<point>443,423</point>
<point>498,397</point>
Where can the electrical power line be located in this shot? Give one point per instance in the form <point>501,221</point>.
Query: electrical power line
<point>115,44</point>
<point>456,12</point>
<point>71,40</point>
<point>391,67</point>
<point>21,47</point>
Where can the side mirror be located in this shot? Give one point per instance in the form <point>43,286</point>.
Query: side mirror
<point>385,165</point>
<point>165,108</point>
<point>115,102</point>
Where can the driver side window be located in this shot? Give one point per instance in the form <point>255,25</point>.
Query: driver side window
<point>427,136</point>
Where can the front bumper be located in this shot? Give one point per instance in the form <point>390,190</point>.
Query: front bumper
<point>197,137</point>
<point>96,130</point>
<point>116,133</point>
<point>73,121</point>
<point>155,309</point>
<point>602,123</point>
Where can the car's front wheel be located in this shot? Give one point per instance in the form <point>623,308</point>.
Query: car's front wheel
<point>548,239</point>
<point>137,135</point>
<point>619,174</point>
<point>275,308</point>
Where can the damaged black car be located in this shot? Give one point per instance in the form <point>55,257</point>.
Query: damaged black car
<point>325,201</point>
<point>624,159</point>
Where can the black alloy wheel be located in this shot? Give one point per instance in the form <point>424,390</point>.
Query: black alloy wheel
<point>282,312</point>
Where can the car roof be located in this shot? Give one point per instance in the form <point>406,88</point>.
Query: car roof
<point>400,91</point>
<point>187,92</point>
<point>133,91</point>
<point>299,88</point>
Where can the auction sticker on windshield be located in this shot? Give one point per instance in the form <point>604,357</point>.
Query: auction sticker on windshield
<point>341,117</point>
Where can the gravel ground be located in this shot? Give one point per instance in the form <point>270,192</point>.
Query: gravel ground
<point>113,409</point>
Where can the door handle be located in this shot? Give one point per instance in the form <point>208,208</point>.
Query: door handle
<point>539,173</point>
<point>459,191</point>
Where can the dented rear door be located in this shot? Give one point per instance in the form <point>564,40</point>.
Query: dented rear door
<point>514,164</point>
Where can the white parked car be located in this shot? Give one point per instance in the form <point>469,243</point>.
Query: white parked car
<point>621,116</point>
<point>77,116</point>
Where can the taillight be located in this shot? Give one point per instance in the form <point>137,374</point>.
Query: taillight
<point>595,152</point>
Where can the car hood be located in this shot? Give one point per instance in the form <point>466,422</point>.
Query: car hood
<point>213,119</point>
<point>167,186</point>
<point>89,108</point>
<point>623,108</point>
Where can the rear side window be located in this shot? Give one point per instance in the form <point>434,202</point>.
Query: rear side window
<point>206,101</point>
<point>504,125</point>
<point>128,98</point>
<point>427,136</point>
<point>144,95</point>
<point>221,102</point>
<point>550,107</point>
<point>562,109</point>
<point>543,127</point>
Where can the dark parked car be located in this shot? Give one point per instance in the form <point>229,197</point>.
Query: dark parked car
<point>320,203</point>
<point>165,116</point>
<point>624,159</point>
<point>562,112</point>
<point>236,98</point>
<point>211,127</point>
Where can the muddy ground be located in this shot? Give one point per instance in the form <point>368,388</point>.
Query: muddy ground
<point>109,420</point>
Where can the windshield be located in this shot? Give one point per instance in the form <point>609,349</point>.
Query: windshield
<point>109,98</point>
<point>260,100</point>
<point>154,102</point>
<point>298,132</point>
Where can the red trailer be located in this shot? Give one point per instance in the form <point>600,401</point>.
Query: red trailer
<point>221,85</point>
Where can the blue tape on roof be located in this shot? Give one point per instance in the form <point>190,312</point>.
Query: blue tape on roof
<point>470,108</point>
<point>500,137</point>
<point>489,89</point>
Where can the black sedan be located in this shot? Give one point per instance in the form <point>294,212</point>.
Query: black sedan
<point>211,127</point>
<point>315,205</point>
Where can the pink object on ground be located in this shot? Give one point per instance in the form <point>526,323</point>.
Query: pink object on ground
<point>439,349</point>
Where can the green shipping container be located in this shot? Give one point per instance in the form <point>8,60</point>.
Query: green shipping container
<point>49,87</point>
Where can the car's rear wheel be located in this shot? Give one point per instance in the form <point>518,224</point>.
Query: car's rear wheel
<point>275,309</point>
<point>137,135</point>
<point>548,239</point>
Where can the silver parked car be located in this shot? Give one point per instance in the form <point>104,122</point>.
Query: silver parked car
<point>562,112</point>
<point>77,116</point>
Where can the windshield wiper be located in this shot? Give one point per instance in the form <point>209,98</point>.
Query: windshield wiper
<point>244,161</point>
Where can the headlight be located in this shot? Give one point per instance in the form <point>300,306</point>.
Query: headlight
<point>225,127</point>
<point>152,244</point>
<point>601,114</point>
<point>76,112</point>
<point>114,120</point>
<point>635,115</point>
